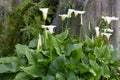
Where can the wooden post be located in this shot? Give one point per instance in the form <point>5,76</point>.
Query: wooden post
<point>117,27</point>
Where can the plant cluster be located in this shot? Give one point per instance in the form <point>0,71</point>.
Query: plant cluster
<point>62,57</point>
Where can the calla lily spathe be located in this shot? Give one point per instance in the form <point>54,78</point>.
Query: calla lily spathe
<point>107,35</point>
<point>63,16</point>
<point>97,31</point>
<point>40,40</point>
<point>70,11</point>
<point>76,12</point>
<point>109,19</point>
<point>49,27</point>
<point>39,44</point>
<point>44,12</point>
<point>108,30</point>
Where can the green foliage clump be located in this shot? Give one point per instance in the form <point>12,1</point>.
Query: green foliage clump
<point>24,22</point>
<point>54,57</point>
<point>70,59</point>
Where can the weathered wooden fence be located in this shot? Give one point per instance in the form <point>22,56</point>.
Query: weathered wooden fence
<point>94,12</point>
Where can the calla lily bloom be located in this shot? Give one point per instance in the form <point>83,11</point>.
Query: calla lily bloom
<point>63,16</point>
<point>44,12</point>
<point>49,27</point>
<point>78,12</point>
<point>97,31</point>
<point>109,19</point>
<point>40,40</point>
<point>108,30</point>
<point>107,35</point>
<point>70,11</point>
<point>39,44</point>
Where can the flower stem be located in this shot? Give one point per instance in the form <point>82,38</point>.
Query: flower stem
<point>62,26</point>
<point>89,29</point>
<point>73,29</point>
<point>45,39</point>
<point>81,24</point>
<point>66,24</point>
<point>50,46</point>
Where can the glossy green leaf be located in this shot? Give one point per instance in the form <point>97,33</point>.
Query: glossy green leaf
<point>31,56</point>
<point>33,71</point>
<point>60,76</point>
<point>49,77</point>
<point>56,65</point>
<point>10,64</point>
<point>71,76</point>
<point>72,47</point>
<point>106,71</point>
<point>62,36</point>
<point>33,43</point>
<point>21,49</point>
<point>22,76</point>
<point>57,46</point>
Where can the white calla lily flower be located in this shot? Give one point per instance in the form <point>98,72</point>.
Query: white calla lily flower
<point>40,40</point>
<point>97,31</point>
<point>107,35</point>
<point>70,11</point>
<point>108,30</point>
<point>49,27</point>
<point>78,12</point>
<point>44,12</point>
<point>63,16</point>
<point>109,19</point>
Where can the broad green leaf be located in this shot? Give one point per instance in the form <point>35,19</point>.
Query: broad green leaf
<point>92,71</point>
<point>10,64</point>
<point>33,43</point>
<point>60,76</point>
<point>98,73</point>
<point>34,71</point>
<point>114,54</point>
<point>21,49</point>
<point>62,36</point>
<point>103,54</point>
<point>57,46</point>
<point>56,65</point>
<point>71,76</point>
<point>84,68</point>
<point>7,68</point>
<point>106,71</point>
<point>76,56</point>
<point>7,76</point>
<point>94,64</point>
<point>31,56</point>
<point>49,77</point>
<point>72,47</point>
<point>22,76</point>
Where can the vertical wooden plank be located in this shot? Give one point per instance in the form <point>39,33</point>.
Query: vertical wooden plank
<point>1,2</point>
<point>105,7</point>
<point>117,27</point>
<point>97,8</point>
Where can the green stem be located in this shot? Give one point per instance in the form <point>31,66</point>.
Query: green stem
<point>81,24</point>
<point>66,24</point>
<point>73,29</point>
<point>45,39</point>
<point>51,46</point>
<point>62,25</point>
<point>89,26</point>
<point>81,20</point>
